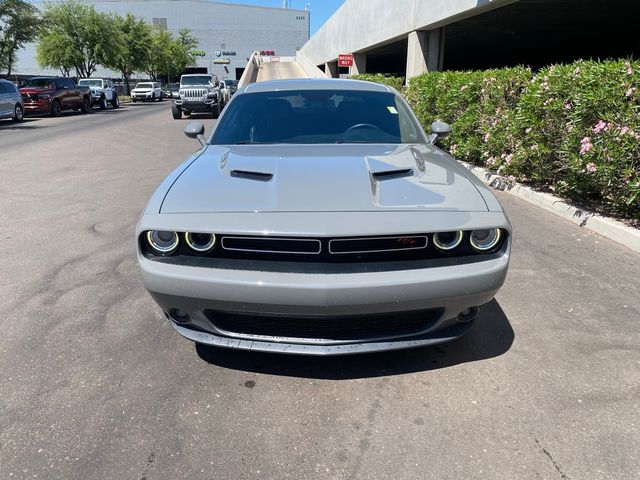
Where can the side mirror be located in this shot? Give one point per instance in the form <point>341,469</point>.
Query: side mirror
<point>439,130</point>
<point>195,130</point>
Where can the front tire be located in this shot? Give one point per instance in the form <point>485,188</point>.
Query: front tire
<point>86,105</point>
<point>134,99</point>
<point>56,109</point>
<point>153,97</point>
<point>115,103</point>
<point>216,111</point>
<point>103,103</point>
<point>160,98</point>
<point>176,111</point>
<point>18,113</point>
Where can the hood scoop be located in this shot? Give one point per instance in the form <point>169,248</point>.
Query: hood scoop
<point>393,174</point>
<point>249,175</point>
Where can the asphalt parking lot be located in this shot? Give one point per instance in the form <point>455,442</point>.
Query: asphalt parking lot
<point>96,384</point>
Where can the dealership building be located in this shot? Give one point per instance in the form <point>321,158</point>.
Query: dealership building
<point>228,33</point>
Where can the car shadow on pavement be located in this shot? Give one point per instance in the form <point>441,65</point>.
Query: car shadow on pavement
<point>25,124</point>
<point>491,336</point>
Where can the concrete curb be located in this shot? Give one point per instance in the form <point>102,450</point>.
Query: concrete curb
<point>607,227</point>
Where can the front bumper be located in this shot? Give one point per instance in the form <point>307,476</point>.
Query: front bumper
<point>450,289</point>
<point>34,108</point>
<point>142,96</point>
<point>201,106</point>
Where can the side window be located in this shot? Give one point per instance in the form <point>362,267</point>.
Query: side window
<point>3,88</point>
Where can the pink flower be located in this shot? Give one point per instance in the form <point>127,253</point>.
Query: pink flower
<point>624,130</point>
<point>591,167</point>
<point>629,68</point>
<point>568,106</point>
<point>629,92</point>
<point>508,159</point>
<point>577,71</point>
<point>511,179</point>
<point>487,137</point>
<point>491,161</point>
<point>585,145</point>
<point>600,127</point>
<point>528,130</point>
<point>453,149</point>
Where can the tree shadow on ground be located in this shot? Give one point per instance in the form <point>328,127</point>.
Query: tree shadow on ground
<point>490,337</point>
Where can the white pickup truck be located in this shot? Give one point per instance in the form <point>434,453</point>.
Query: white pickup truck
<point>103,92</point>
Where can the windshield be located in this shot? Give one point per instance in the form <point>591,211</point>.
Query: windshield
<point>317,116</point>
<point>40,83</point>
<point>196,80</point>
<point>144,85</point>
<point>90,83</point>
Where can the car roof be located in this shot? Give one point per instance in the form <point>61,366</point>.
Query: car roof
<point>316,84</point>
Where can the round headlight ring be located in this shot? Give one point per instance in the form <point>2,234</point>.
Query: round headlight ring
<point>199,246</point>
<point>448,246</point>
<point>163,242</point>
<point>489,242</point>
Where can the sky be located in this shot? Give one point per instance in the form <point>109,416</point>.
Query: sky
<point>321,10</point>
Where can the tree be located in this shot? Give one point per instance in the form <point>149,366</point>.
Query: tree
<point>135,51</point>
<point>19,24</point>
<point>77,36</point>
<point>160,59</point>
<point>170,55</point>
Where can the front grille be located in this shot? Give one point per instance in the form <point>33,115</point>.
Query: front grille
<point>194,93</point>
<point>379,244</point>
<point>328,328</point>
<point>272,245</point>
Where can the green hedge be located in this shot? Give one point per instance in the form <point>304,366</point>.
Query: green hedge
<point>395,82</point>
<point>572,129</point>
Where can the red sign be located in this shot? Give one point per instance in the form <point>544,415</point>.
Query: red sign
<point>345,60</point>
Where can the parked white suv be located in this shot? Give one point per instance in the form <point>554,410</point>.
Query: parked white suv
<point>103,92</point>
<point>147,91</point>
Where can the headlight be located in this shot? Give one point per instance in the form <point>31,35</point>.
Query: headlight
<point>485,240</point>
<point>211,95</point>
<point>447,241</point>
<point>200,242</point>
<point>162,242</point>
<point>44,96</point>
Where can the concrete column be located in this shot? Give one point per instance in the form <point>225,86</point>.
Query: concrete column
<point>331,69</point>
<point>359,63</point>
<point>425,52</point>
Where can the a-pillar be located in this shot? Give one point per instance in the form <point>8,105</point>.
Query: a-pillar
<point>359,63</point>
<point>425,52</point>
<point>331,69</point>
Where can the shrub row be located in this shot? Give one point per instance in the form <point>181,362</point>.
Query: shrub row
<point>394,82</point>
<point>572,129</point>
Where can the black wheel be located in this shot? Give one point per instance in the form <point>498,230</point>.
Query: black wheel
<point>216,111</point>
<point>176,111</point>
<point>56,109</point>
<point>160,98</point>
<point>86,105</point>
<point>103,103</point>
<point>186,113</point>
<point>115,103</point>
<point>153,97</point>
<point>18,113</point>
<point>134,99</point>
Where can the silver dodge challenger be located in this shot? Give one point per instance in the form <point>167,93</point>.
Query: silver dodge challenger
<point>319,218</point>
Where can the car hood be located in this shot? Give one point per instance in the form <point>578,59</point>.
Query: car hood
<point>38,90</point>
<point>307,178</point>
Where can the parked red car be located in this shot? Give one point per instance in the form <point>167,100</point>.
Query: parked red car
<point>53,95</point>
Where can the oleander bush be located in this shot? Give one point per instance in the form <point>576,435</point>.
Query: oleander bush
<point>395,82</point>
<point>573,129</point>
